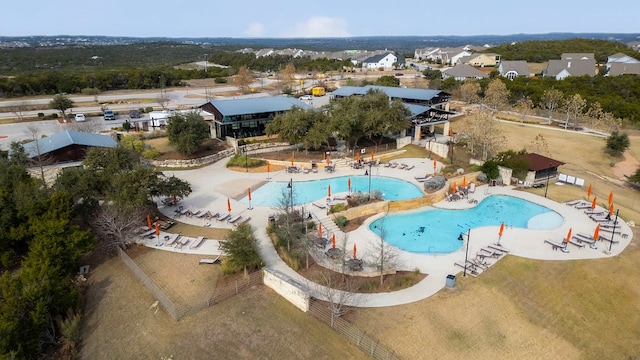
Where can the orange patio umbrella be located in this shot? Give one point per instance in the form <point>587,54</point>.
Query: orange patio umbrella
<point>589,192</point>
<point>435,163</point>
<point>268,166</point>
<point>149,221</point>
<point>501,230</point>
<point>228,205</point>
<point>593,203</point>
<point>333,240</point>
<point>249,197</point>
<point>568,235</point>
<point>611,197</point>
<point>355,249</point>
<point>358,157</point>
<point>610,210</point>
<point>464,181</point>
<point>372,154</point>
<point>450,131</point>
<point>329,191</point>
<point>157,229</point>
<point>291,160</point>
<point>319,230</point>
<point>596,232</point>
<point>454,188</point>
<point>328,159</point>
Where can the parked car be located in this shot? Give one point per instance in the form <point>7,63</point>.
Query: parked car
<point>109,115</point>
<point>305,97</point>
<point>398,74</point>
<point>134,114</point>
<point>80,118</point>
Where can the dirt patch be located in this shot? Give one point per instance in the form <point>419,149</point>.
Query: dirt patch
<point>626,167</point>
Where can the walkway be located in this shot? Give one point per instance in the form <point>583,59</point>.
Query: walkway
<point>214,184</point>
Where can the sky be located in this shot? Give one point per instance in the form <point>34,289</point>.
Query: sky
<point>308,19</point>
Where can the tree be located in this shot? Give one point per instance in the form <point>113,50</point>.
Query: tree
<point>469,92</point>
<point>41,160</point>
<point>383,257</point>
<point>551,100</point>
<point>573,107</point>
<point>617,143</point>
<point>388,81</point>
<point>61,102</point>
<point>241,250</point>
<point>187,132</point>
<point>19,109</point>
<point>164,98</point>
<point>289,74</point>
<point>635,177</point>
<point>484,136</point>
<point>524,106</point>
<point>490,168</point>
<point>496,95</point>
<point>116,225</point>
<point>244,79</point>
<point>293,125</point>
<point>339,294</point>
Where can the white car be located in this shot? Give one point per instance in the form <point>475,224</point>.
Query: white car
<point>305,97</point>
<point>80,118</point>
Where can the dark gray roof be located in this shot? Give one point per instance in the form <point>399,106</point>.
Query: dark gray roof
<point>393,92</point>
<point>573,67</point>
<point>464,70</point>
<point>377,58</point>
<point>618,68</point>
<point>577,56</point>
<point>518,66</point>
<point>257,105</point>
<point>67,138</point>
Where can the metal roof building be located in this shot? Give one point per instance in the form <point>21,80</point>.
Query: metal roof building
<point>67,146</point>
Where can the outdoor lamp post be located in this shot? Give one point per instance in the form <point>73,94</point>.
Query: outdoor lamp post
<point>290,186</point>
<point>246,159</point>
<point>466,254</point>
<point>548,175</point>
<point>613,232</point>
<point>369,173</point>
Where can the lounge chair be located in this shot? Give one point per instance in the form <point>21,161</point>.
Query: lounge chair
<point>197,242</point>
<point>602,219</point>
<point>410,167</point>
<point>234,218</point>
<point>224,217</point>
<point>583,206</point>
<point>479,263</point>
<point>581,239</point>
<point>576,243</point>
<point>393,165</point>
<point>147,233</point>
<point>245,219</point>
<point>387,164</point>
<point>472,187</point>
<point>202,213</point>
<point>573,203</point>
<point>608,239</point>
<point>210,261</point>
<point>471,267</point>
<point>556,245</point>
<point>610,230</point>
<point>182,242</point>
<point>172,239</point>
<point>306,171</point>
<point>319,205</point>
<point>497,247</point>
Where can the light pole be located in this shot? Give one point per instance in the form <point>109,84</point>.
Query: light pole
<point>369,173</point>
<point>205,62</point>
<point>246,159</point>
<point>548,175</point>
<point>614,230</point>
<point>466,255</point>
<point>290,186</point>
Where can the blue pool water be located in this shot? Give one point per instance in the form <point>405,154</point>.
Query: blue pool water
<point>437,230</point>
<point>271,193</point>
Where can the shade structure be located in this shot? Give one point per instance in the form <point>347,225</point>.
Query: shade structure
<point>589,192</point>
<point>464,181</point>
<point>596,232</point>
<point>355,250</point>
<point>501,229</point>
<point>333,241</point>
<point>329,191</point>
<point>568,235</point>
<point>228,205</point>
<point>593,203</point>
<point>454,188</point>
<point>611,197</point>
<point>291,160</point>
<point>328,159</point>
<point>319,230</point>
<point>149,221</point>
<point>249,193</point>
<point>373,153</point>
<point>610,210</point>
<point>157,229</point>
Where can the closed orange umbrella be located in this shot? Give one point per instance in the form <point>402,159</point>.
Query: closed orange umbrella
<point>268,167</point>
<point>149,221</point>
<point>357,157</point>
<point>355,249</point>
<point>328,159</point>
<point>319,230</point>
<point>454,188</point>
<point>568,235</point>
<point>464,181</point>
<point>435,163</point>
<point>611,197</point>
<point>349,184</point>
<point>593,203</point>
<point>589,192</point>
<point>291,160</point>
<point>333,240</point>
<point>450,131</point>
<point>610,210</point>
<point>228,205</point>
<point>157,229</point>
<point>249,193</point>
<point>596,232</point>
<point>329,191</point>
<point>372,154</point>
<point>501,229</point>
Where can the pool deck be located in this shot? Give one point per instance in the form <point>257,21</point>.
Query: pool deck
<point>214,184</point>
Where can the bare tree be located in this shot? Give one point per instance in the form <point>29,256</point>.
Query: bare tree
<point>496,95</point>
<point>163,99</point>
<point>485,137</point>
<point>552,99</point>
<point>19,109</point>
<point>116,225</point>
<point>287,218</point>
<point>41,159</point>
<point>574,107</point>
<point>89,126</point>
<point>469,92</point>
<point>524,107</point>
<point>288,74</point>
<point>539,145</point>
<point>244,79</point>
<point>339,295</point>
<point>383,257</point>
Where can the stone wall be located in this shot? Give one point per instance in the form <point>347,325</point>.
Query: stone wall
<point>193,162</point>
<point>403,141</point>
<point>294,292</point>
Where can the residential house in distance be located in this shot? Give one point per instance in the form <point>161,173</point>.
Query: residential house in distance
<point>247,117</point>
<point>621,58</point>
<point>445,55</point>
<point>463,72</point>
<point>480,60</point>
<point>387,60</point>
<point>571,64</point>
<point>622,64</point>
<point>511,69</point>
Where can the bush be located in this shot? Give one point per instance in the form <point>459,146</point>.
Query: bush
<point>337,208</point>
<point>617,143</point>
<point>141,110</point>
<point>341,221</point>
<point>40,115</point>
<point>148,109</point>
<point>220,80</point>
<point>150,153</point>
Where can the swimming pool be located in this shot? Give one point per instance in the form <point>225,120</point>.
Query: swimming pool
<point>271,193</point>
<point>437,230</point>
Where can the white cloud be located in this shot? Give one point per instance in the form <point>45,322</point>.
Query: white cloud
<point>319,26</point>
<point>255,30</point>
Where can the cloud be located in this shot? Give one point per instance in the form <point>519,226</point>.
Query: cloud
<point>320,26</point>
<point>255,30</point>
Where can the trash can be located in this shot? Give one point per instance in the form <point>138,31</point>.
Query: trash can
<point>451,280</point>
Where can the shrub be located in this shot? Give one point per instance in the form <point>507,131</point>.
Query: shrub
<point>141,110</point>
<point>150,153</point>
<point>341,221</point>
<point>220,80</point>
<point>148,109</point>
<point>617,143</point>
<point>40,115</point>
<point>337,208</point>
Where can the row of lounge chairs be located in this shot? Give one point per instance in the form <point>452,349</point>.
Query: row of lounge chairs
<point>479,264</point>
<point>401,166</point>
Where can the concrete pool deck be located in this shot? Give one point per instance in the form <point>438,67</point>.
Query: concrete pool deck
<point>214,184</point>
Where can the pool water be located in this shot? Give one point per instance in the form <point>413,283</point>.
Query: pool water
<point>272,193</point>
<point>437,230</point>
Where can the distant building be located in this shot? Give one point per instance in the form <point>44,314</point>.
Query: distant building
<point>541,168</point>
<point>386,61</point>
<point>617,69</point>
<point>512,69</point>
<point>571,64</point>
<point>66,146</point>
<point>463,72</point>
<point>247,117</point>
<point>480,60</point>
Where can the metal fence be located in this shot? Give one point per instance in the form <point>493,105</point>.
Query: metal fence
<point>366,343</point>
<point>175,307</point>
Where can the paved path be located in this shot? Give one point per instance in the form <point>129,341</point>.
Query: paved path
<point>214,184</point>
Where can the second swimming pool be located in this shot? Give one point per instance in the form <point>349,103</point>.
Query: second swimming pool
<point>437,230</point>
